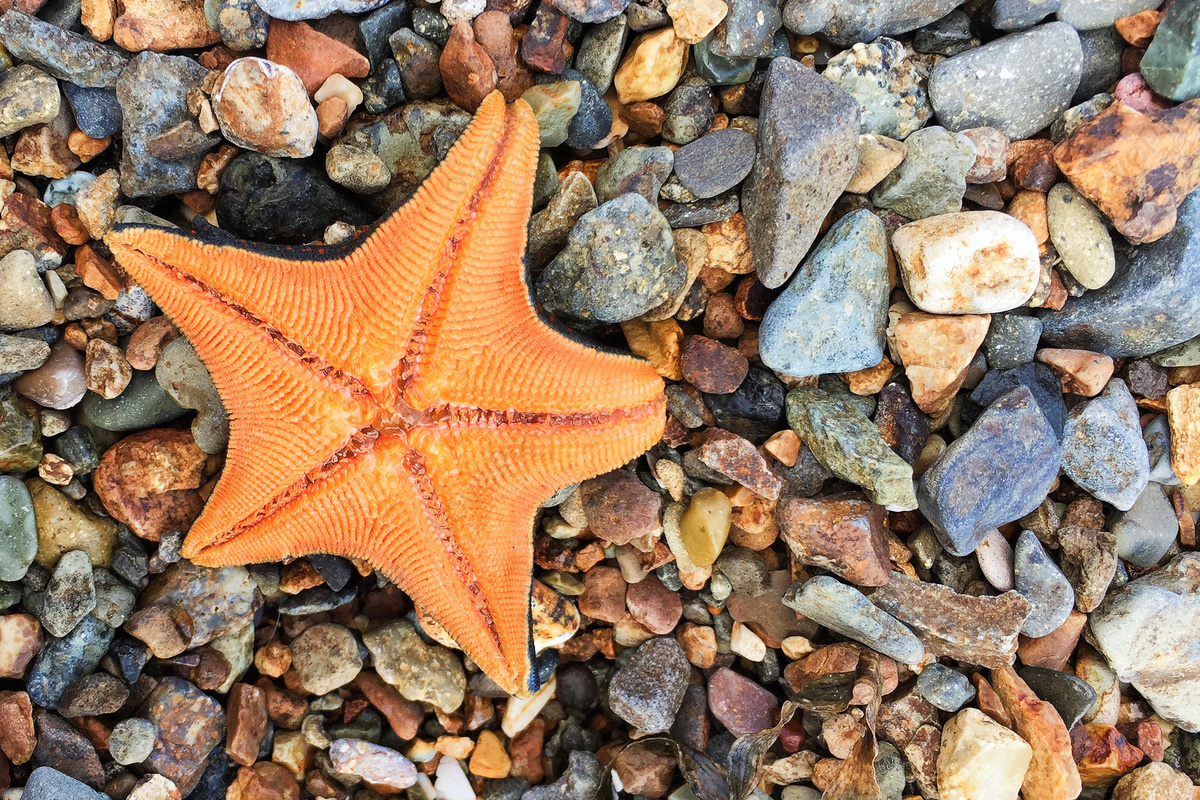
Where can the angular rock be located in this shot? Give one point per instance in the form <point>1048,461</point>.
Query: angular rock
<point>1052,773</point>
<point>936,352</point>
<point>832,315</point>
<point>980,758</point>
<point>65,55</point>
<point>841,533</point>
<point>1018,84</point>
<point>648,689</point>
<point>1042,583</point>
<point>1103,449</point>
<point>1148,529</point>
<point>1089,560</point>
<point>964,496</point>
<point>807,149</point>
<point>845,610</point>
<point>1155,781</point>
<point>931,179</point>
<point>1171,64</point>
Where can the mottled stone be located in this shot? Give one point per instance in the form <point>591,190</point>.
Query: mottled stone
<point>936,352</point>
<point>62,53</point>
<point>648,689</point>
<point>263,106</point>
<point>149,481</point>
<point>845,22</point>
<point>843,534</point>
<point>1103,449</point>
<point>832,315</point>
<point>845,610</point>
<point>807,148</point>
<point>885,83</point>
<point>420,672</point>
<point>740,704</point>
<point>1052,773</point>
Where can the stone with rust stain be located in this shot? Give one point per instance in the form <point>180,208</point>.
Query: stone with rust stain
<point>150,480</point>
<point>190,724</point>
<point>1052,774</point>
<point>842,533</point>
<point>1136,167</point>
<point>1102,754</point>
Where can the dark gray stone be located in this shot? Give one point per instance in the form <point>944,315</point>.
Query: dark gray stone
<point>593,121</point>
<point>63,661</point>
<point>1017,15</point>
<point>417,58</point>
<point>1151,304</point>
<point>807,152</point>
<point>831,317</point>
<point>640,170</point>
<point>716,162</point>
<point>647,690</point>
<point>1102,49</point>
<point>1148,529</point>
<point>1038,378</point>
<point>844,22</point>
<point>1087,15</point>
<point>690,110</point>
<point>1018,84</point>
<point>947,36</point>
<point>1012,340</point>
<point>97,112</point>
<point>964,496</point>
<point>748,30</point>
<point>600,51</point>
<point>47,783</point>
<point>1070,696</point>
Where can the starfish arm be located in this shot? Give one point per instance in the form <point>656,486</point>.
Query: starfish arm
<point>356,304</point>
<point>485,345</point>
<point>285,416</point>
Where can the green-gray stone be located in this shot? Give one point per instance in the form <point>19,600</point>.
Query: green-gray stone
<point>719,70</point>
<point>1172,62</point>
<point>20,437</point>
<point>850,446</point>
<point>10,595</point>
<point>554,105</point>
<point>1184,354</point>
<point>143,404</point>
<point>77,446</point>
<point>18,529</point>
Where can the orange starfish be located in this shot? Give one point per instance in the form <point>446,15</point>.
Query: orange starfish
<point>398,399</point>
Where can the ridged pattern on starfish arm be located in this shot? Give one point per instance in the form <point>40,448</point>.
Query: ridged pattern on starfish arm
<point>398,399</point>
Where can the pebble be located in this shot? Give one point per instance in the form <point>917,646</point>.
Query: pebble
<point>131,740</point>
<point>142,403</point>
<point>63,661</point>
<point>704,526</point>
<point>695,19</point>
<point>1010,15</point>
<point>1155,781</point>
<point>1148,529</point>
<point>26,301</point>
<point>28,97</point>
<point>1039,379</point>
<point>648,689</point>
<point>1011,340</point>
<point>181,374</point>
<point>963,498</point>
<point>149,481</point>
<point>713,367</point>
<point>1091,14</point>
<point>69,596</point>
<point>640,170</point>
<point>152,93</point>
<point>847,611</point>
<point>810,125</point>
<point>47,783</point>
<point>841,533</point>
<point>980,758</point>
<point>886,84</point>
<point>689,111</point>
<point>948,689</point>
<point>936,352</point>
<point>20,641</point>
<point>740,704</point>
<point>1069,695</point>
<point>18,530</point>
<point>1103,449</point>
<point>619,263</point>
<point>931,179</point>
<point>845,22</point>
<point>92,695</point>
<point>619,508</point>
<point>877,156</point>
<point>19,354</point>
<point>63,54</point>
<point>325,657</point>
<point>420,672</point>
<point>652,66</point>
<point>20,439</point>
<point>972,262</point>
<point>153,25</point>
<point>263,106</point>
<point>190,725</point>
<point>555,105</point>
<point>832,315</point>
<point>1052,772</point>
<point>378,766</point>
<point>1079,235</point>
<point>581,780</point>
<point>1043,584</point>
<point>847,443</point>
<point>1017,84</point>
<point>1171,64</point>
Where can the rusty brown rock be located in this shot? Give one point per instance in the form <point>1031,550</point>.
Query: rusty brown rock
<point>713,367</point>
<point>17,739</point>
<point>1137,167</point>
<point>603,595</point>
<point>161,25</point>
<point>404,716</point>
<point>166,630</point>
<point>544,45</point>
<point>312,55</point>
<point>1102,755</point>
<point>147,341</point>
<point>977,630</point>
<point>149,481</point>
<point>1081,372</point>
<point>468,72</point>
<point>1052,773</point>
<point>737,459</point>
<point>1053,650</point>
<point>247,723</point>
<point>643,772</point>
<point>190,724</point>
<point>844,534</point>
<point>263,781</point>
<point>936,351</point>
<point>619,507</point>
<point>494,33</point>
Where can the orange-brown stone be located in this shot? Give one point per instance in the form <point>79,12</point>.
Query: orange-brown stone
<point>149,481</point>
<point>312,55</point>
<point>1137,167</point>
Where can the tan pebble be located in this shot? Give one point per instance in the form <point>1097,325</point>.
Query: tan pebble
<point>651,67</point>
<point>1082,372</point>
<point>695,19</point>
<point>1183,415</point>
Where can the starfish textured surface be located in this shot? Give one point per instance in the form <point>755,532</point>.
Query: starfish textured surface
<point>397,399</point>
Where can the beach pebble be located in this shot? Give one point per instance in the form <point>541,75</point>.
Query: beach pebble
<point>980,758</point>
<point>1079,235</point>
<point>845,22</point>
<point>1103,449</point>
<point>1148,529</point>
<point>948,689</point>
<point>1042,583</point>
<point>936,352</point>
<point>263,106</point>
<point>381,766</point>
<point>973,262</point>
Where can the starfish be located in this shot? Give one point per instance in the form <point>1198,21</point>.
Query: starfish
<point>398,399</point>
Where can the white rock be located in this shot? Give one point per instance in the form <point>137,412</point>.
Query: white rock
<point>24,300</point>
<point>521,711</point>
<point>452,783</point>
<point>462,10</point>
<point>746,643</point>
<point>971,262</point>
<point>995,556</point>
<point>980,759</point>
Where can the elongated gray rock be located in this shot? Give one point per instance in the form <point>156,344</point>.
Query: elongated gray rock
<point>845,22</point>
<point>1042,583</point>
<point>65,55</point>
<point>1149,630</point>
<point>832,315</point>
<point>1018,84</point>
<point>847,611</point>
<point>1103,449</point>
<point>964,495</point>
<point>1153,304</point>
<point>807,152</point>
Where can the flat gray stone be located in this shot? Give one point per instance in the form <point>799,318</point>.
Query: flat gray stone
<point>1086,15</point>
<point>1148,529</point>
<point>845,22</point>
<point>1042,583</point>
<point>845,610</point>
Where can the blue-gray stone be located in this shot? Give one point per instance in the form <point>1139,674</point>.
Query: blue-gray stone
<point>143,404</point>
<point>932,177</point>
<point>619,263</point>
<point>1086,15</point>
<point>65,55</point>
<point>700,212</point>
<point>845,22</point>
<point>63,661</point>
<point>1018,83</point>
<point>1042,583</point>
<point>947,36</point>
<point>78,448</point>
<point>1157,435</point>
<point>1070,696</point>
<point>47,783</point>
<point>946,688</point>
<point>964,495</point>
<point>1103,449</point>
<point>748,30</point>
<point>1102,49</point>
<point>1016,15</point>
<point>152,92</point>
<point>383,88</point>
<point>68,598</point>
<point>1012,340</point>
<point>1038,378</point>
<point>647,690</point>
<point>293,10</point>
<point>97,112</point>
<point>832,315</point>
<point>807,152</point>
<point>845,610</point>
<point>1172,62</point>
<point>754,410</point>
<point>593,121</point>
<point>1148,529</point>
<point>18,529</point>
<point>641,170</point>
<point>716,162</point>
<point>1151,304</point>
<point>689,109</point>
